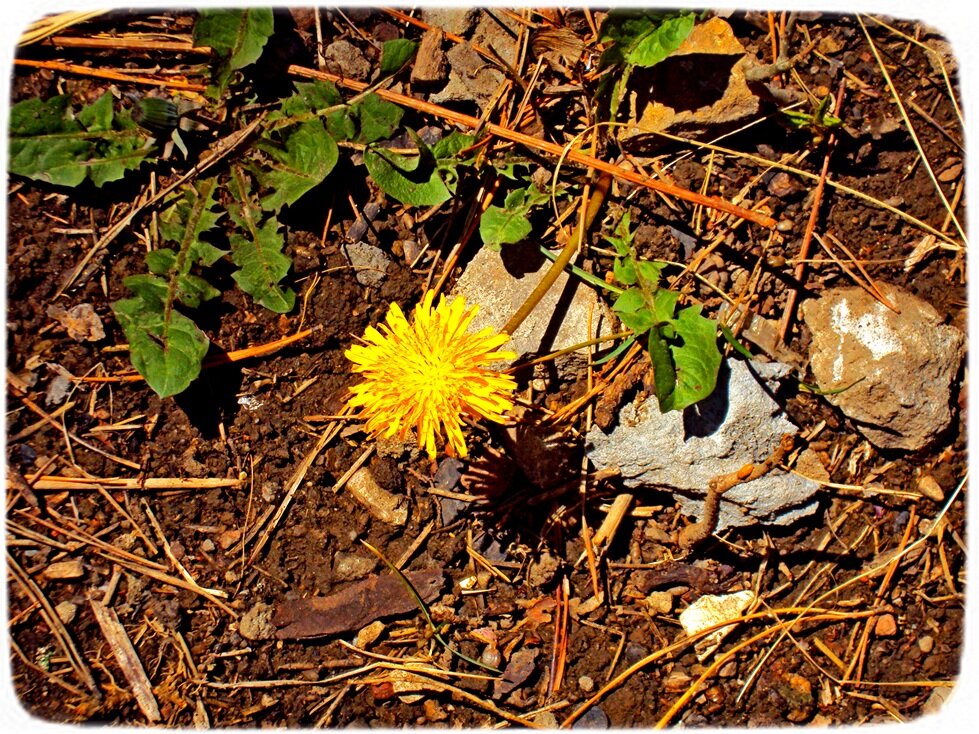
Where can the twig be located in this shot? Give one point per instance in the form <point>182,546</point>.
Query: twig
<point>58,629</point>
<point>56,483</point>
<point>716,487</point>
<point>125,654</point>
<point>111,75</point>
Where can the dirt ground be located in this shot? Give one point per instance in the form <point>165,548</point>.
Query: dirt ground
<point>194,576</point>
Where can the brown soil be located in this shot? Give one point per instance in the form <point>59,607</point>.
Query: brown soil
<point>207,660</point>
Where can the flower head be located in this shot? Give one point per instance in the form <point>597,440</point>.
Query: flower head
<point>429,373</point>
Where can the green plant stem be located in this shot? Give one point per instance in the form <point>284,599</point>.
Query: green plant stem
<point>577,236</point>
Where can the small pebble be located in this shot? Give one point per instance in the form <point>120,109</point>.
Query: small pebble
<point>926,643</point>
<point>930,488</point>
<point>886,626</point>
<point>586,684</point>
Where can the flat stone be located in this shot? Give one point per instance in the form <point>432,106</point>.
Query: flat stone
<point>683,450</point>
<point>499,282</point>
<point>897,368</point>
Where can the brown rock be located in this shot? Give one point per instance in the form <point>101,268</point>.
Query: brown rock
<point>897,368</point>
<point>886,626</point>
<point>430,63</point>
<point>700,85</point>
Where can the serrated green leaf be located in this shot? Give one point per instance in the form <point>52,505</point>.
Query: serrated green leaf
<point>649,273</point>
<point>302,162</point>
<point>405,178</point>
<point>642,38</point>
<point>161,260</point>
<point>151,288</point>
<point>166,349</point>
<point>258,250</point>
<point>697,359</point>
<point>395,54</point>
<point>448,148</point>
<point>48,144</point>
<point>192,290</point>
<point>664,305</point>
<point>376,117</point>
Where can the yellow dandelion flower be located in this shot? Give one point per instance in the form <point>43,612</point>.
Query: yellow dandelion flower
<point>429,373</point>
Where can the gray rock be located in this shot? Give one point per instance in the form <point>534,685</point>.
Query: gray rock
<point>343,58</point>
<point>560,319</point>
<point>370,263</point>
<point>905,363</point>
<point>738,424</point>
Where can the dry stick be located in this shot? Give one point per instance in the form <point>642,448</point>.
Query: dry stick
<point>215,154</point>
<point>56,483</point>
<point>58,629</point>
<point>113,75</point>
<point>817,615</point>
<point>47,418</point>
<point>125,654</point>
<point>544,146</point>
<point>716,487</point>
<point>817,200</point>
<point>123,42</point>
<point>910,127</point>
<point>856,664</point>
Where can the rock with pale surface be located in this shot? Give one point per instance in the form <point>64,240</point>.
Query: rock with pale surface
<point>738,424</point>
<point>898,368</point>
<point>500,283</point>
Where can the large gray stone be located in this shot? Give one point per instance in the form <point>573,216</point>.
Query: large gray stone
<point>738,424</point>
<point>898,368</point>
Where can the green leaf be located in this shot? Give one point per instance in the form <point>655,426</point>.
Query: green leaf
<point>697,359</point>
<point>664,372</point>
<point>258,251</point>
<point>48,143</point>
<point>237,36</point>
<point>395,54</point>
<point>500,226</point>
<point>629,301</point>
<point>448,148</point>
<point>377,118</point>
<point>306,158</point>
<point>642,38</point>
<point>167,349</point>
<point>510,223</point>
<point>165,346</point>
<point>411,180</point>
<point>624,270</point>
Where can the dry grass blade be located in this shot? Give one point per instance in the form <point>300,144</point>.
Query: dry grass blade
<point>125,654</point>
<point>911,130</point>
<point>51,24</point>
<point>55,483</point>
<point>114,76</point>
